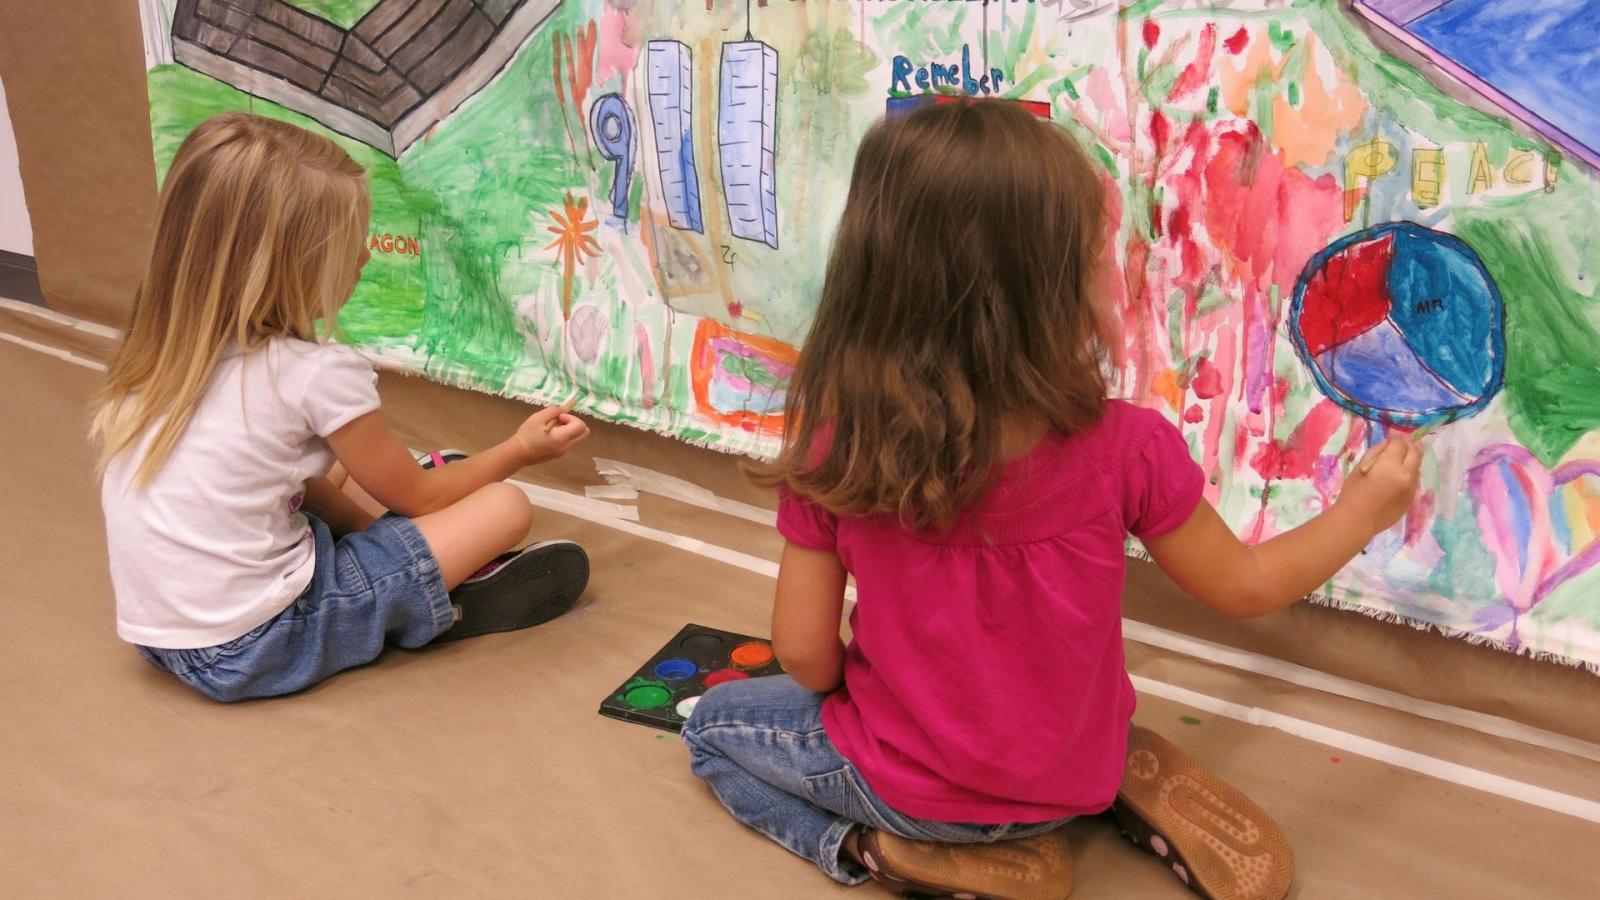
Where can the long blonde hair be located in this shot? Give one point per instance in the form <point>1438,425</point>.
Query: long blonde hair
<point>258,230</point>
<point>960,291</point>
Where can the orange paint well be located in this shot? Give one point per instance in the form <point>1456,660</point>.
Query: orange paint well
<point>752,655</point>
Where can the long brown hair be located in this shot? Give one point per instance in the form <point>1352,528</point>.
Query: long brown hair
<point>959,295</point>
<point>258,230</point>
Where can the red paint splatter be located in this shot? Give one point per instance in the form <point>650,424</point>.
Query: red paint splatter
<point>1238,42</point>
<point>1348,296</point>
<point>1297,456</point>
<point>735,309</point>
<point>1419,517</point>
<point>1194,414</point>
<point>1207,381</point>
<point>1333,759</point>
<point>1178,222</point>
<point>1269,216</point>
<point>1152,33</point>
<point>1160,130</point>
<point>1198,73</point>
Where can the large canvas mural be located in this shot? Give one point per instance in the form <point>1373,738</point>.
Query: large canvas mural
<point>1330,219</point>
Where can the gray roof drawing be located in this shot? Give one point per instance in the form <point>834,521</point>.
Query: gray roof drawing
<point>403,67</point>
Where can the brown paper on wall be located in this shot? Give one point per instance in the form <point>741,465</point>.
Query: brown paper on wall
<point>74,76</point>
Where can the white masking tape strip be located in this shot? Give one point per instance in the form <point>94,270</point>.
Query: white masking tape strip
<point>58,353</point>
<point>51,315</point>
<point>580,508</point>
<point>611,492</point>
<point>1343,687</point>
<point>1522,792</point>
<point>674,488</point>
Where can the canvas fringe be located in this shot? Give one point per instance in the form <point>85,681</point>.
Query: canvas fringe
<point>396,360</point>
<point>416,367</point>
<point>1394,618</point>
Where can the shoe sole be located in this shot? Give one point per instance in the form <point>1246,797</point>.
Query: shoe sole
<point>544,582</point>
<point>1216,840</point>
<point>1031,868</point>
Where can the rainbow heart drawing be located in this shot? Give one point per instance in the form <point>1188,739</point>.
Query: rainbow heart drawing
<point>1542,526</point>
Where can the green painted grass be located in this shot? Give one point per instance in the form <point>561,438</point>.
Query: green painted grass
<point>342,13</point>
<point>388,302</point>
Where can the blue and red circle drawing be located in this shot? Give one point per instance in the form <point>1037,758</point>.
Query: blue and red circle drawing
<point>1402,325</point>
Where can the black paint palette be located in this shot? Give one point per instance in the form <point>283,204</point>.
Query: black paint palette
<point>664,690</point>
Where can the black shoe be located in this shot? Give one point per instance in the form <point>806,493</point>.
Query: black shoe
<point>519,589</point>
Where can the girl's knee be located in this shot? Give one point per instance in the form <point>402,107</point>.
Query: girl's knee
<point>509,508</point>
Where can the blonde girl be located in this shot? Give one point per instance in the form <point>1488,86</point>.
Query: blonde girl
<point>229,425</point>
<point>951,446</point>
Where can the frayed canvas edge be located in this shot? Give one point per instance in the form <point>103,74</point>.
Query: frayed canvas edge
<point>405,363</point>
<point>1394,618</point>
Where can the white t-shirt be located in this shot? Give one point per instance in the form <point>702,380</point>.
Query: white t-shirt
<point>215,544</point>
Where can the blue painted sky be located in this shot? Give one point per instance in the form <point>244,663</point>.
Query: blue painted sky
<point>1545,54</point>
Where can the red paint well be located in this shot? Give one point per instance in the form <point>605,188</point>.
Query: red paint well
<point>721,676</point>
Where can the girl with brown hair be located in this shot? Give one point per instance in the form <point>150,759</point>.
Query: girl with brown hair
<point>951,446</point>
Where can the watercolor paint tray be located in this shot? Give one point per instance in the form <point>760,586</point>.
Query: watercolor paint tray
<point>663,691</point>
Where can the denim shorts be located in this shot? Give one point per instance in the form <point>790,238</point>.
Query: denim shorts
<point>760,745</point>
<point>376,587</point>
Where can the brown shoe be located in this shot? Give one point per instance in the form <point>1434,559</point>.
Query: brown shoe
<point>1030,868</point>
<point>1218,842</point>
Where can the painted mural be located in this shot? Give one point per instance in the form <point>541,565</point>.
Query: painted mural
<point>1331,219</point>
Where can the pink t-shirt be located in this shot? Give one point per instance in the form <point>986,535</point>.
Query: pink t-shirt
<point>985,680</point>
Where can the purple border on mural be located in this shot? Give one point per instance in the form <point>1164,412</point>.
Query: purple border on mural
<point>1393,15</point>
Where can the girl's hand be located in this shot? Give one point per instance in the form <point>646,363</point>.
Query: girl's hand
<point>1381,487</point>
<point>548,434</point>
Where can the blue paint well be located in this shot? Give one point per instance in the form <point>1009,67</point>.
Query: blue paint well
<point>675,669</point>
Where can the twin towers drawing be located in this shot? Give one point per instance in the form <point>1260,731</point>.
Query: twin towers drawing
<point>747,111</point>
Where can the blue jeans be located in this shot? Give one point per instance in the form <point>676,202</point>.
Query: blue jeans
<point>378,586</point>
<point>761,746</point>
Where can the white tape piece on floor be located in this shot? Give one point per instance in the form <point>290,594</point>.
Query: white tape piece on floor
<point>48,350</point>
<point>613,492</point>
<point>1355,690</point>
<point>673,488</point>
<point>1520,791</point>
<point>50,315</point>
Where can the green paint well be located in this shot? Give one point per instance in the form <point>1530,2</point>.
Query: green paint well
<point>645,694</point>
